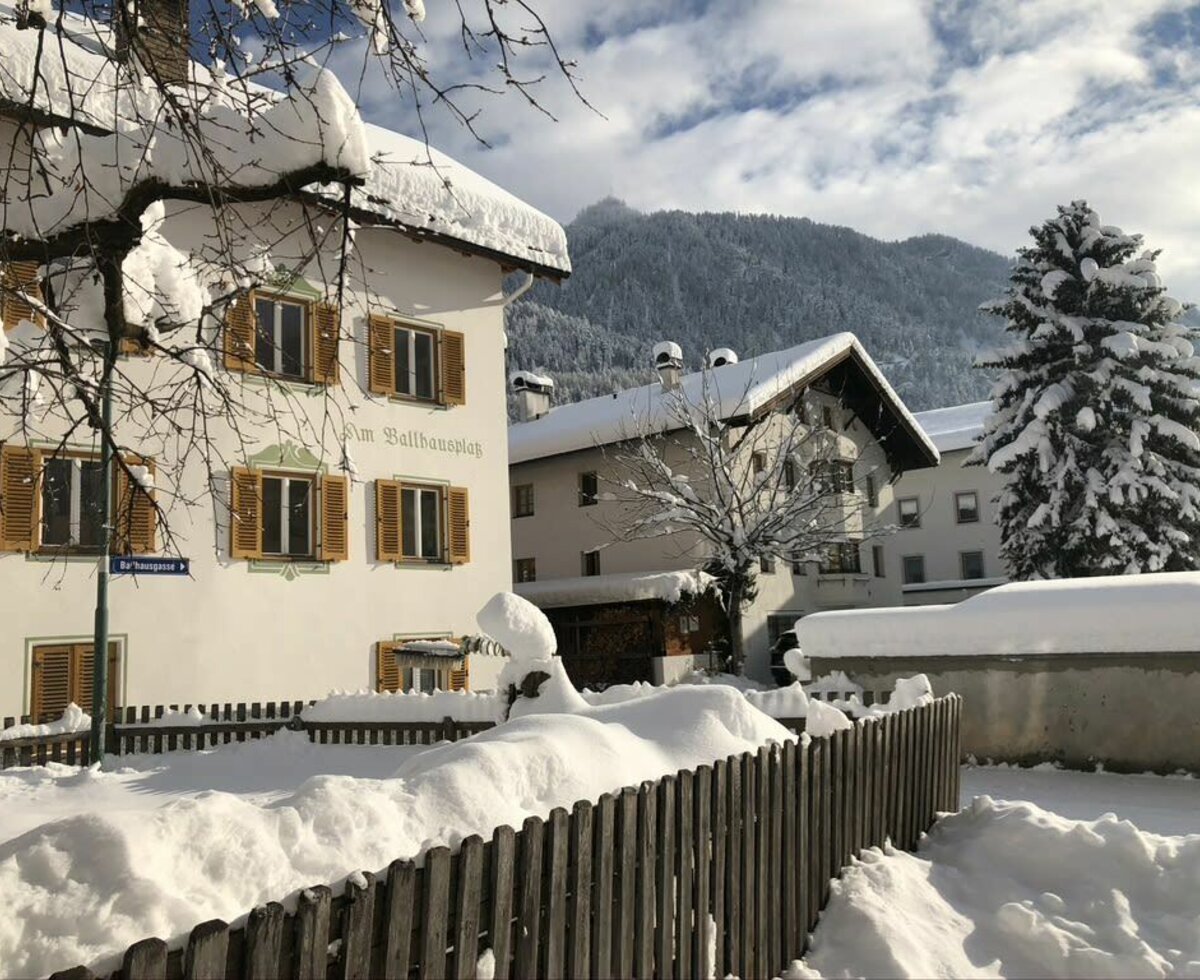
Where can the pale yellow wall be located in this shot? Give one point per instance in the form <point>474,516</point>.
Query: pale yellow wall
<point>234,634</point>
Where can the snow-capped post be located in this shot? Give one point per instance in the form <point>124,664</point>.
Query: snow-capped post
<point>1096,413</point>
<point>738,487</point>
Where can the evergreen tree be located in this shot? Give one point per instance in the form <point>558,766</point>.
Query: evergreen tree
<point>1096,410</point>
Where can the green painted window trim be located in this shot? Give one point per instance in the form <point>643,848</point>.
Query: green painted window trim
<point>37,641</point>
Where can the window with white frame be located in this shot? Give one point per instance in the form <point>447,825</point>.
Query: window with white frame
<point>966,507</point>
<point>288,514</point>
<point>282,336</point>
<point>71,512</point>
<point>909,509</point>
<point>421,522</point>
<point>416,362</point>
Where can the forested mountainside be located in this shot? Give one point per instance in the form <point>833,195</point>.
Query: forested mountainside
<point>756,283</point>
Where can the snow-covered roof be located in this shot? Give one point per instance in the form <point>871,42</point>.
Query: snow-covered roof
<point>594,590</point>
<point>431,648</point>
<point>957,427</point>
<point>1153,613</point>
<point>418,188</point>
<point>742,389</point>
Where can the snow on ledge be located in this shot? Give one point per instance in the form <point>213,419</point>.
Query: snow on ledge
<point>593,590</point>
<point>74,719</point>
<point>1153,613</point>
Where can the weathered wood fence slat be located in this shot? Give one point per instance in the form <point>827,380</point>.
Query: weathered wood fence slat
<point>734,858</point>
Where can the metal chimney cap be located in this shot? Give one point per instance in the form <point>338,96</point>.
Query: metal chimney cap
<point>722,356</point>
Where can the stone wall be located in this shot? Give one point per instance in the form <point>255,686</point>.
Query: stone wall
<point>1132,712</point>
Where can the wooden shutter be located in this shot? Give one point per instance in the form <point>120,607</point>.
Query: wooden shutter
<point>20,498</point>
<point>381,356</point>
<point>241,332</point>
<point>387,671</point>
<point>245,514</point>
<point>326,321</point>
<point>454,368</point>
<point>136,517</point>
<point>23,277</point>
<point>83,677</point>
<point>50,685</point>
<point>460,677</point>
<point>335,512</point>
<point>387,521</point>
<point>458,525</point>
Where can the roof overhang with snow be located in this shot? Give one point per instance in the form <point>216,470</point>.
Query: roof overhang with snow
<point>955,428</point>
<point>410,187</point>
<point>741,392</point>
<point>597,590</point>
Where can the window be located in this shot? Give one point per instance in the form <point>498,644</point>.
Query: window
<point>910,511</point>
<point>421,523</point>
<point>525,570</point>
<point>416,362</point>
<point>766,565</point>
<point>877,560</point>
<point>414,522</point>
<point>799,567</point>
<point>398,667</point>
<point>19,280</point>
<point>827,416</point>
<point>71,512</point>
<point>780,623</point>
<point>522,500</point>
<point>966,507</point>
<point>789,474</point>
<point>423,679</point>
<point>872,491</point>
<point>591,563</point>
<point>841,559</point>
<point>287,516</point>
<point>913,569</point>
<point>839,475</point>
<point>589,489</point>
<point>688,624</point>
<point>802,410</point>
<point>970,563</point>
<point>62,673</point>
<point>410,361</point>
<point>758,462</point>
<point>281,337</point>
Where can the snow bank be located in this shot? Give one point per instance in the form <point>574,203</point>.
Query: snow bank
<point>1151,613</point>
<point>619,587</point>
<point>958,427</point>
<point>74,719</point>
<point>1011,890</point>
<point>371,706</point>
<point>81,889</point>
<point>518,626</point>
<point>782,702</point>
<point>735,389</point>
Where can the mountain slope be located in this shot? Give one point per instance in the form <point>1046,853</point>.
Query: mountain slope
<point>756,283</point>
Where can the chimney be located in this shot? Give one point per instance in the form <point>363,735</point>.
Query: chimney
<point>722,356</point>
<point>668,361</point>
<point>533,394</point>
<point>158,33</point>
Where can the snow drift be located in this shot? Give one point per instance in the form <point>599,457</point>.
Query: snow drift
<point>1011,890</point>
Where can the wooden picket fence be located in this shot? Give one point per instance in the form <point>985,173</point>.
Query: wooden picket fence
<point>140,730</point>
<point>734,857</point>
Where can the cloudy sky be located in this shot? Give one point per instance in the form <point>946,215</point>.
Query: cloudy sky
<point>895,117</point>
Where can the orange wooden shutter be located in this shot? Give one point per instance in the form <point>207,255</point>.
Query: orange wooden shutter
<point>387,671</point>
<point>458,524</point>
<point>245,514</point>
<point>51,683</point>
<point>20,498</point>
<point>381,356</point>
<point>460,677</point>
<point>335,511</point>
<point>136,517</point>
<point>241,331</point>
<point>20,277</point>
<point>326,330</point>
<point>454,368</point>
<point>387,520</point>
<point>83,676</point>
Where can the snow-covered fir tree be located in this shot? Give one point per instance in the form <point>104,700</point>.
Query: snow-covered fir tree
<point>1096,412</point>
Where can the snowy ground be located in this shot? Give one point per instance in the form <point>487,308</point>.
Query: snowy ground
<point>1094,875</point>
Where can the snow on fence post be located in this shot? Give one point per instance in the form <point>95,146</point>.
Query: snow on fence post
<point>734,858</point>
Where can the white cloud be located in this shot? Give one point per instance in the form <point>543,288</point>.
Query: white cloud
<point>895,117</point>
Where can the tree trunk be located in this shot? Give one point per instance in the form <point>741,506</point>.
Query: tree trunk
<point>733,613</point>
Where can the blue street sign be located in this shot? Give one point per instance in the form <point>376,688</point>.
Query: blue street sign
<point>121,565</point>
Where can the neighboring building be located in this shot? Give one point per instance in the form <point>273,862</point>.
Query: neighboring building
<point>563,516</point>
<point>948,544</point>
<point>326,551</point>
